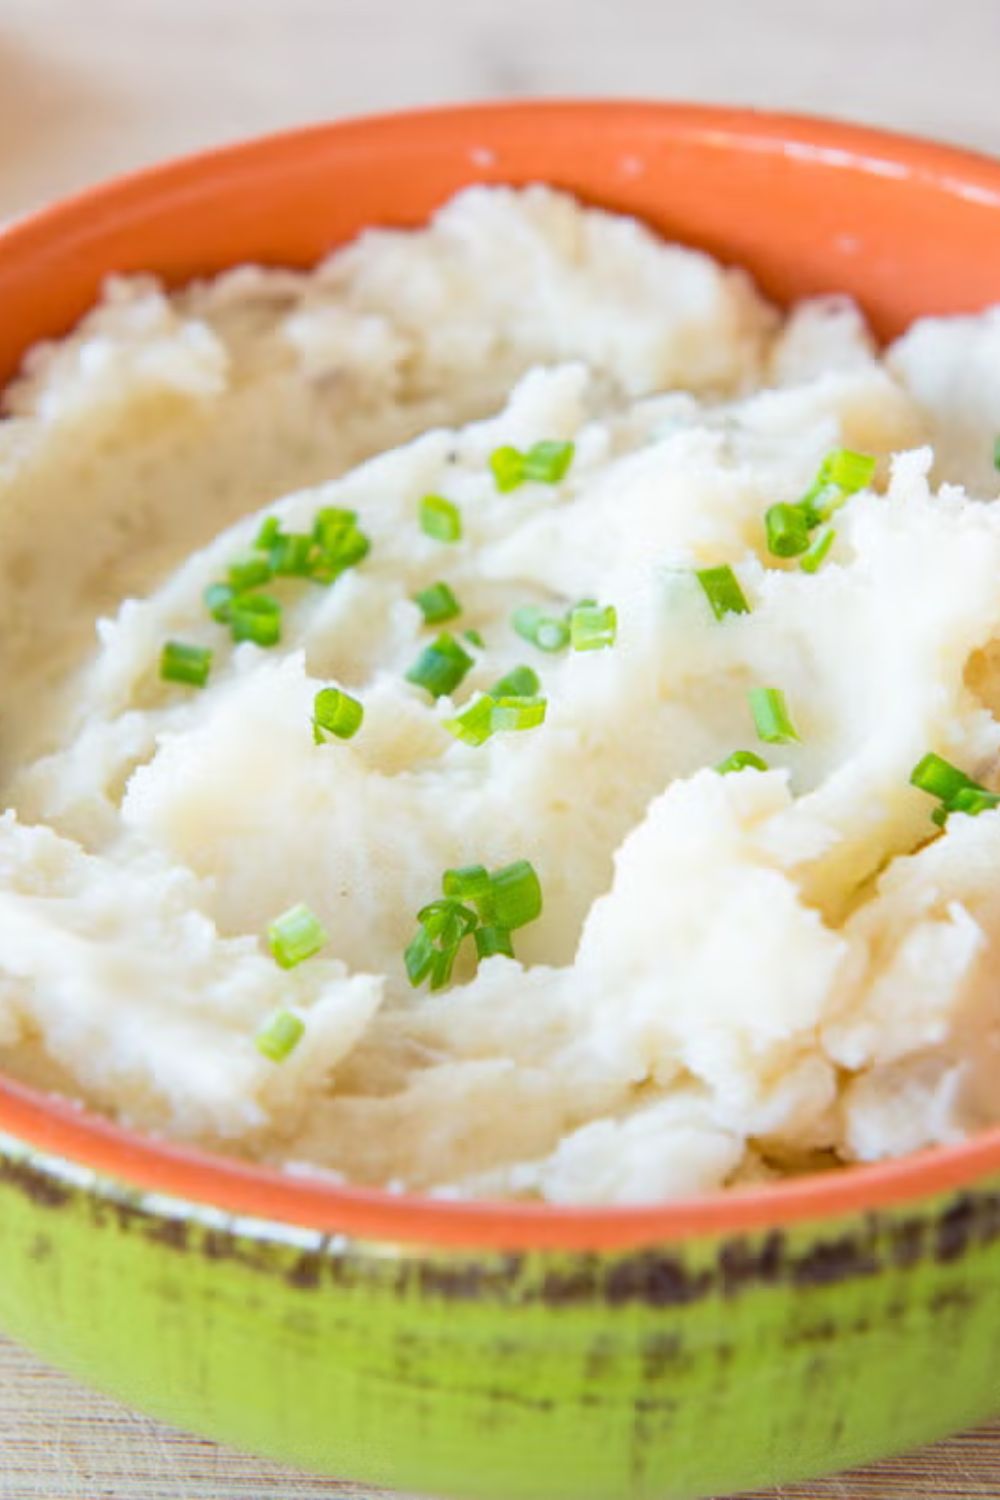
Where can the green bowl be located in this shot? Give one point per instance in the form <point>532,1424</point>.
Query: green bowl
<point>516,1351</point>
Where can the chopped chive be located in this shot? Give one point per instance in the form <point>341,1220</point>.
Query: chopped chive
<point>329,525</point>
<point>342,547</point>
<point>474,725</point>
<point>270,530</point>
<point>441,666</point>
<point>722,590</point>
<point>955,791</point>
<point>973,800</point>
<point>542,630</point>
<point>437,604</point>
<point>218,597</point>
<point>248,572</point>
<point>296,935</point>
<point>813,560</point>
<point>787,530</point>
<point>996,452</point>
<point>741,760</point>
<point>770,715</point>
<point>279,1037</point>
<point>593,627</point>
<point>475,639</point>
<point>507,464</point>
<point>493,940</point>
<point>257,618</point>
<point>335,712</point>
<point>514,897</point>
<point>846,470</point>
<point>547,462</point>
<point>180,662</point>
<point>292,554</point>
<point>418,957</point>
<point>466,882</point>
<point>440,519</point>
<point>444,962</point>
<point>446,921</point>
<point>939,777</point>
<point>520,682</point>
<point>516,712</point>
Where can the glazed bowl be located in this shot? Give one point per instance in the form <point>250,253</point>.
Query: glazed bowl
<point>516,1351</point>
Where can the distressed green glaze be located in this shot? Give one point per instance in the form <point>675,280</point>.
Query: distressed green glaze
<point>673,1371</point>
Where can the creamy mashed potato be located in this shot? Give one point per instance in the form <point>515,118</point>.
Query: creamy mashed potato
<point>732,975</point>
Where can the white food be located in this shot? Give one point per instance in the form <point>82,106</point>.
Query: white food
<point>732,975</point>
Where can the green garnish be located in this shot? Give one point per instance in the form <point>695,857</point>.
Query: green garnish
<point>474,639</point>
<point>270,530</point>
<point>722,590</point>
<point>490,715</point>
<point>493,940</point>
<point>517,712</point>
<point>334,544</point>
<point>787,530</point>
<point>520,682</point>
<point>770,715</point>
<point>546,462</point>
<point>814,558</point>
<point>183,663</point>
<point>474,725</point>
<point>248,572</point>
<point>741,760</point>
<point>292,554</point>
<point>466,883</point>
<point>257,618</point>
<point>996,452</point>
<point>514,897</point>
<point>218,597</point>
<point>593,627</point>
<point>544,631</point>
<point>279,1037</point>
<point>841,474</point>
<point>955,791</point>
<point>503,900</point>
<point>441,666</point>
<point>296,935</point>
<point>440,519</point>
<point>335,712</point>
<point>437,604</point>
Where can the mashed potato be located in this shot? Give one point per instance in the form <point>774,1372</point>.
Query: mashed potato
<point>732,975</point>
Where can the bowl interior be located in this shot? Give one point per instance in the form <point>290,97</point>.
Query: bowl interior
<point>907,227</point>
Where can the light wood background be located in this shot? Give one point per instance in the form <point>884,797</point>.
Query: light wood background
<point>90,87</point>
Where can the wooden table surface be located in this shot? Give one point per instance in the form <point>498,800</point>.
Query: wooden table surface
<point>90,87</point>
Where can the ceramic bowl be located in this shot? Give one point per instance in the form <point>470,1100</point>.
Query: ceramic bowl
<point>509,1352</point>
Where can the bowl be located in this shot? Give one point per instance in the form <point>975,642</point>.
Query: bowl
<point>491,1350</point>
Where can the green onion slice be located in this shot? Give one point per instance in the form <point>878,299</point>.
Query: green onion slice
<point>466,882</point>
<point>787,530</point>
<point>547,462</point>
<point>542,630</point>
<point>593,627</point>
<point>520,682</point>
<point>492,940</point>
<point>257,618</point>
<point>955,791</point>
<point>437,604</point>
<point>441,666</point>
<point>218,597</point>
<point>474,725</point>
<point>296,935</point>
<point>247,572</point>
<point>279,1037</point>
<point>813,560</point>
<point>180,662</point>
<point>846,470</point>
<point>741,760</point>
<point>770,715</point>
<point>996,452</point>
<point>722,590</point>
<point>474,639</point>
<point>517,712</point>
<point>270,530</point>
<point>440,519</point>
<point>337,713</point>
<point>507,464</point>
<point>514,897</point>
